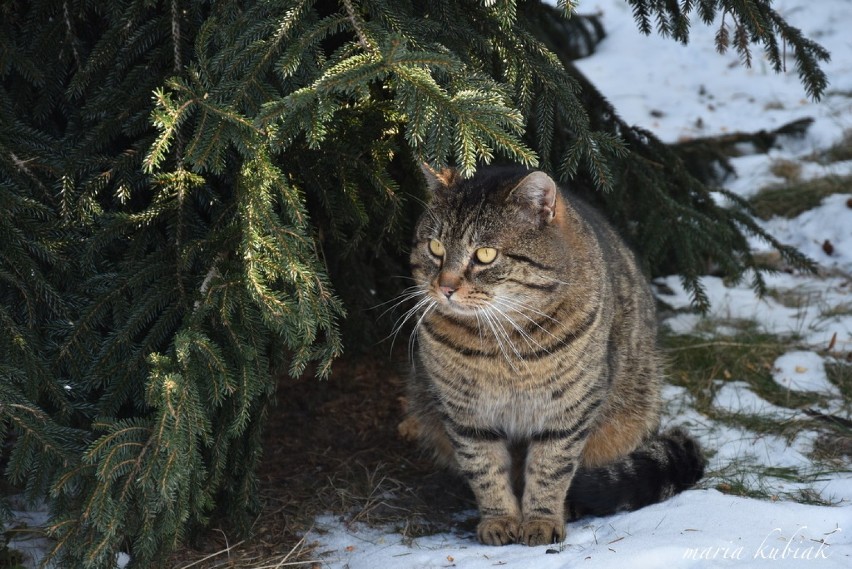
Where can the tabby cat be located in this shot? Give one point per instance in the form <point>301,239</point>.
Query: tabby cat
<point>536,370</point>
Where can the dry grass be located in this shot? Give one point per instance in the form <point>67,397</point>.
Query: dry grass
<point>787,169</point>
<point>795,197</point>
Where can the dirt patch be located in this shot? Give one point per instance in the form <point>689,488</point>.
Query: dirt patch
<point>332,446</point>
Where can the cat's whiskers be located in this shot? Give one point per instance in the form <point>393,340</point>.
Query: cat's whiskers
<point>479,328</point>
<point>531,342</point>
<point>412,338</point>
<point>405,291</point>
<point>526,307</point>
<point>500,331</point>
<point>520,307</point>
<point>489,321</point>
<point>508,303</point>
<point>406,295</point>
<point>400,322</point>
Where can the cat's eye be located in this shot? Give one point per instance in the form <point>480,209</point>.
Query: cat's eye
<point>485,255</point>
<point>436,248</point>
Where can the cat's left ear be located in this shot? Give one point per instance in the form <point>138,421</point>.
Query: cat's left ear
<point>538,192</point>
<point>438,180</point>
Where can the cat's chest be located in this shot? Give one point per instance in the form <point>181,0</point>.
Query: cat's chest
<point>495,386</point>
<point>516,414</point>
<point>496,394</point>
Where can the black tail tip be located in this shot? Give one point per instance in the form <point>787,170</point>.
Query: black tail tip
<point>687,454</point>
<point>664,465</point>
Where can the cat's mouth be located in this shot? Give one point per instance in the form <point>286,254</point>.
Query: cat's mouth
<point>459,304</point>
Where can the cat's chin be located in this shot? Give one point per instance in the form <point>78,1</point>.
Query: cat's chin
<point>455,308</point>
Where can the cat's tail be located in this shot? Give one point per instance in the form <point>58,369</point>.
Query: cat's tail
<point>664,465</point>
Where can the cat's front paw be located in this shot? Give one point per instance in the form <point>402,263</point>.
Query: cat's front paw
<point>542,531</point>
<point>498,530</point>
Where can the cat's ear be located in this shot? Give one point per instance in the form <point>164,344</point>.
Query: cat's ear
<point>537,191</point>
<point>438,180</point>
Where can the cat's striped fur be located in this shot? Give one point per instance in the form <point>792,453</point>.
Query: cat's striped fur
<point>537,374</point>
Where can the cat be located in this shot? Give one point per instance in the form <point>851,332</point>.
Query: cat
<point>536,369</point>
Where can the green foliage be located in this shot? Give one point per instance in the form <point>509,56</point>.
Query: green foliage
<point>194,194</point>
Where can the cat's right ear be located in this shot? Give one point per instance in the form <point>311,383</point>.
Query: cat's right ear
<point>436,180</point>
<point>537,192</point>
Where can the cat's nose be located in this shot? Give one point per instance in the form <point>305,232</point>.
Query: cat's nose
<point>448,283</point>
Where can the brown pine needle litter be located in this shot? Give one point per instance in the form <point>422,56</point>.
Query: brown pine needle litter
<point>332,447</point>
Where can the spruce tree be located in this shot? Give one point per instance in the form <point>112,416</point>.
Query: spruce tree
<point>194,195</point>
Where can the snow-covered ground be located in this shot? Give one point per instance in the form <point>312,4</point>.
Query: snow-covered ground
<point>682,92</point>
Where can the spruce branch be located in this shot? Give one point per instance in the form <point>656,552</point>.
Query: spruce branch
<point>358,26</point>
<point>70,34</point>
<point>21,165</point>
<point>568,7</point>
<point>176,36</point>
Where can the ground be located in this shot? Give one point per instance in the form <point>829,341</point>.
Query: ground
<point>333,447</point>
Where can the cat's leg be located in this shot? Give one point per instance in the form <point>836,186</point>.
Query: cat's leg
<point>486,464</point>
<point>551,463</point>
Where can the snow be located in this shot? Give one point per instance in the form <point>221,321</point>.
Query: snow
<point>809,314</point>
<point>122,560</point>
<point>831,221</point>
<point>681,92</point>
<point>24,534</point>
<point>737,397</point>
<point>802,371</point>
<point>693,91</point>
<point>699,528</point>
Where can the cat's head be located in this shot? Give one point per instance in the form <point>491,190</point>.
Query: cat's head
<point>489,242</point>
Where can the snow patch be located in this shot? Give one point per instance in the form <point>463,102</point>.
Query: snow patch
<point>699,528</point>
<point>737,397</point>
<point>802,371</point>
